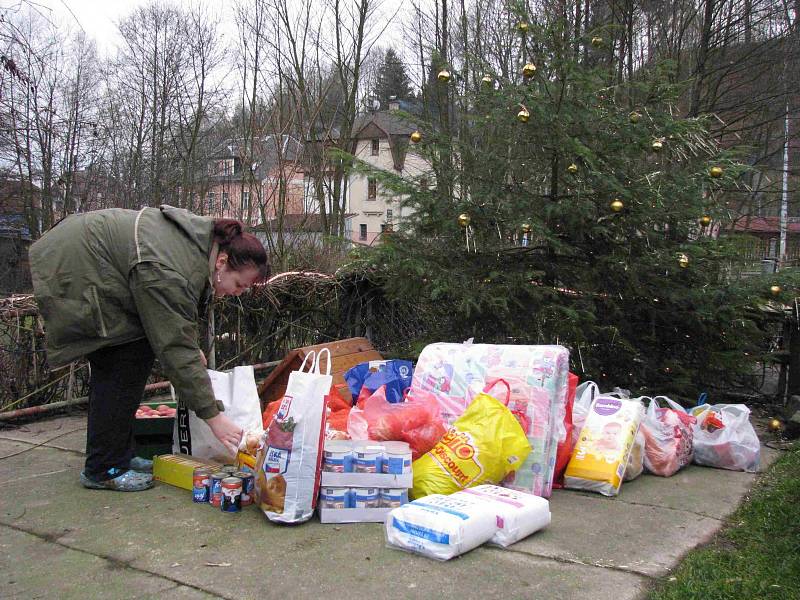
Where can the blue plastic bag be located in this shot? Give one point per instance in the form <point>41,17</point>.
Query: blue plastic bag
<point>394,374</point>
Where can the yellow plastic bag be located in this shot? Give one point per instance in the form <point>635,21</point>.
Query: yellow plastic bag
<point>483,445</point>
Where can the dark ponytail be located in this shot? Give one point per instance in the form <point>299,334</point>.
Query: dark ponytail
<point>243,249</point>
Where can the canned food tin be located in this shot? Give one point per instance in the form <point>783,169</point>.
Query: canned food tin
<point>248,486</point>
<point>393,497</point>
<point>367,498</point>
<point>368,459</point>
<point>231,494</point>
<point>396,458</point>
<point>334,497</point>
<point>229,469</point>
<point>215,491</point>
<point>201,484</point>
<point>337,457</point>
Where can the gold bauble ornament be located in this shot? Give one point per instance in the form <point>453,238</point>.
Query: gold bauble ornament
<point>416,137</point>
<point>617,205</point>
<point>444,76</point>
<point>522,27</point>
<point>572,168</point>
<point>597,41</point>
<point>526,227</point>
<point>705,220</point>
<point>715,172</point>
<point>634,117</point>
<point>464,219</point>
<point>657,145</point>
<point>524,115</point>
<point>487,80</point>
<point>775,290</point>
<point>775,425</point>
<point>683,260</point>
<point>528,70</point>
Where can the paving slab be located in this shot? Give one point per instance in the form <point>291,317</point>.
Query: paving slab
<point>164,545</point>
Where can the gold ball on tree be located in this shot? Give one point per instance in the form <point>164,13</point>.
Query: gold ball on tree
<point>634,117</point>
<point>597,41</point>
<point>657,145</point>
<point>572,168</point>
<point>522,27</point>
<point>444,76</point>
<point>526,227</point>
<point>705,220</point>
<point>616,205</point>
<point>775,425</point>
<point>464,219</point>
<point>528,70</point>
<point>683,260</point>
<point>715,172</point>
<point>487,80</point>
<point>524,115</point>
<point>416,137</point>
<point>775,290</point>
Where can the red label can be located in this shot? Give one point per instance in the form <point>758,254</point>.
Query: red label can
<point>231,494</point>
<point>201,484</point>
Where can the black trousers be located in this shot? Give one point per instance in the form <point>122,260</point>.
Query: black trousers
<point>116,386</point>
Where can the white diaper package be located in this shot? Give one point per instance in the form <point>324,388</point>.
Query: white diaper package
<point>441,527</point>
<point>517,514</point>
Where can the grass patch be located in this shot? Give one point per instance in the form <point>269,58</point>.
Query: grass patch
<point>757,553</point>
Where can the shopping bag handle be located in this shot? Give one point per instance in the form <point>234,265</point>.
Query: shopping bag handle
<point>318,360</point>
<point>313,356</point>
<point>489,386</point>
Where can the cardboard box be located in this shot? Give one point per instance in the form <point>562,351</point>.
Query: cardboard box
<point>178,469</point>
<point>378,480</point>
<point>353,515</point>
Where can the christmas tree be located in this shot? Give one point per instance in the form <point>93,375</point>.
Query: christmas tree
<point>562,208</point>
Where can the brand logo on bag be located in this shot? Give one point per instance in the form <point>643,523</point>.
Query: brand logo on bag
<point>283,409</point>
<point>456,454</point>
<point>606,406</point>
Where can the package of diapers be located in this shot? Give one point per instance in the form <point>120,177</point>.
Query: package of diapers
<point>601,455</point>
<point>517,514</point>
<point>441,527</point>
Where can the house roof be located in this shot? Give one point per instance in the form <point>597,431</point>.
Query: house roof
<point>267,152</point>
<point>749,224</point>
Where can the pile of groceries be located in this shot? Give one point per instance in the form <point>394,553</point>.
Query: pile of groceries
<point>462,449</point>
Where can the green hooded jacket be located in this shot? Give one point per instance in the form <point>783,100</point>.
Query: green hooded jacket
<point>113,276</point>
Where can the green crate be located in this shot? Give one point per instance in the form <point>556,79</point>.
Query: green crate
<point>153,436</point>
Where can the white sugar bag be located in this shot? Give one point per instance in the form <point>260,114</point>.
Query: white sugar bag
<point>441,527</point>
<point>517,514</point>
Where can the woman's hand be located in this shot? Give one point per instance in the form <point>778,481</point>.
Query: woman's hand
<point>226,431</point>
<point>203,359</point>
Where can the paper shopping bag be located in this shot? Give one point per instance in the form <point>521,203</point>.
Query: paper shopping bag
<point>289,457</point>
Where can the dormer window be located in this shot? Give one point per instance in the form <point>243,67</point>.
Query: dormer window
<point>376,147</point>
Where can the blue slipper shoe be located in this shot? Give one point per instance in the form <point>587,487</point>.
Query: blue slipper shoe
<point>142,465</point>
<point>126,481</point>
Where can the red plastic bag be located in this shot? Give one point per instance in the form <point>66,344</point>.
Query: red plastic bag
<point>565,446</point>
<point>668,438</point>
<point>415,421</point>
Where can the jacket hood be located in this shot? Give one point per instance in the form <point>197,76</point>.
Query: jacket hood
<point>198,229</point>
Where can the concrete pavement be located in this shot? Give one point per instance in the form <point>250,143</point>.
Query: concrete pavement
<point>59,540</point>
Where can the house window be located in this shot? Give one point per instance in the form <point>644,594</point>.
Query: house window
<point>226,168</point>
<point>372,188</point>
<point>362,231</point>
<point>423,183</point>
<point>225,200</point>
<point>212,199</point>
<point>388,215</point>
<point>245,201</point>
<point>376,147</point>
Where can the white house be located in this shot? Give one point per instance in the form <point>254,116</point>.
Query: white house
<point>380,139</point>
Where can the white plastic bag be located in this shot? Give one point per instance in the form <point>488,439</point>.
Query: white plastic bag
<point>636,459</point>
<point>733,446</point>
<point>237,391</point>
<point>517,514</point>
<point>441,527</point>
<point>289,457</point>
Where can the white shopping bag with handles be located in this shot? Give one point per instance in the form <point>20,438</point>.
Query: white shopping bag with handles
<point>237,391</point>
<point>290,453</point>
